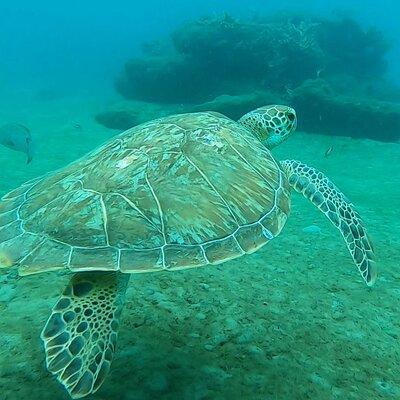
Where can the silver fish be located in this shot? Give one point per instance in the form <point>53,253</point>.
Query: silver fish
<point>328,151</point>
<point>17,137</point>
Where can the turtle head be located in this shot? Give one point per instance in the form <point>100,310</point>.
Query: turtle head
<point>271,124</point>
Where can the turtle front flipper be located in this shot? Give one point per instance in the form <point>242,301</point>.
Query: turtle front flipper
<point>81,334</point>
<point>316,187</point>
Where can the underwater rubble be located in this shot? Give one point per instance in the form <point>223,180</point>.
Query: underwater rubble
<point>332,71</point>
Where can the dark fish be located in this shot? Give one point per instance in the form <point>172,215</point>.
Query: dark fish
<point>328,151</point>
<point>17,137</point>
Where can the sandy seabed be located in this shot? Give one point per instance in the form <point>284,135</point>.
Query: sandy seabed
<point>293,321</point>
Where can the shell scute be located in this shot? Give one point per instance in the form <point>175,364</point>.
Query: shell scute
<point>88,259</point>
<point>177,257</point>
<point>141,261</point>
<point>47,255</point>
<point>221,250</point>
<point>252,237</point>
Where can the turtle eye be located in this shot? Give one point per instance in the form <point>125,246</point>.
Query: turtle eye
<point>291,117</point>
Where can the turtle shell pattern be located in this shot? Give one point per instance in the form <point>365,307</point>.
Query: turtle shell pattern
<point>177,192</point>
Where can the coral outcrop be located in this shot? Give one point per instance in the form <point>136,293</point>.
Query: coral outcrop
<point>332,71</point>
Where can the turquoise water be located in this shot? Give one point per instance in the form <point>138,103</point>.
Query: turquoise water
<point>291,321</point>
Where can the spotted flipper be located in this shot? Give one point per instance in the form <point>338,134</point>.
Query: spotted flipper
<point>81,333</point>
<point>316,187</point>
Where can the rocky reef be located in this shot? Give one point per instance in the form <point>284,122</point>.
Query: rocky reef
<point>324,110</point>
<point>332,71</point>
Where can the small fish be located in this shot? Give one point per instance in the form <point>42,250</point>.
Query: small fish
<point>328,151</point>
<point>17,137</point>
<point>77,126</point>
<point>312,229</point>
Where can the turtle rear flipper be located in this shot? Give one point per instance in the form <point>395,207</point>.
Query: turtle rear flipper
<point>81,334</point>
<point>316,187</point>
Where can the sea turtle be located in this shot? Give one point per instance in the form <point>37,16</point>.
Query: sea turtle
<point>178,192</point>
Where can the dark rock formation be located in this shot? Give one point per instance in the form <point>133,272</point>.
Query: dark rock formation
<point>332,71</point>
<point>321,110</point>
<point>126,114</point>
